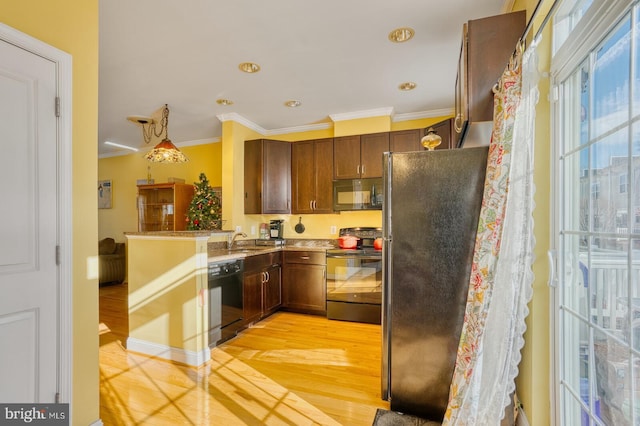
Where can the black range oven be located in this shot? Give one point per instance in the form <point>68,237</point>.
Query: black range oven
<point>354,278</point>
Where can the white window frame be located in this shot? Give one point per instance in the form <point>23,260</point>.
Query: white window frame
<point>600,18</point>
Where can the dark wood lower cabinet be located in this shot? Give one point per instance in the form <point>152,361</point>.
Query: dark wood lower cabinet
<point>304,284</point>
<point>262,286</point>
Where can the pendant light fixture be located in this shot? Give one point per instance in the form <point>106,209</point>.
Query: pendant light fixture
<point>431,140</point>
<point>165,151</point>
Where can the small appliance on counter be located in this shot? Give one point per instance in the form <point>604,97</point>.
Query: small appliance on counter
<point>264,231</point>
<point>276,227</point>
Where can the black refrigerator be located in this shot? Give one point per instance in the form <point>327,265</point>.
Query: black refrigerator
<point>430,219</point>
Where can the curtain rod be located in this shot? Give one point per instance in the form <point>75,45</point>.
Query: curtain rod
<point>544,21</point>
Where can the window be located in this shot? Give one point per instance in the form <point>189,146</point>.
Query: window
<point>566,19</point>
<point>597,147</point>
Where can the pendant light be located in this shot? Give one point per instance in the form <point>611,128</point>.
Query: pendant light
<point>165,151</point>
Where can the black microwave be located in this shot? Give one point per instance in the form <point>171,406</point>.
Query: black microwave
<point>357,194</point>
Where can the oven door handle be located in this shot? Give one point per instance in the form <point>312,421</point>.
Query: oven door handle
<point>354,256</point>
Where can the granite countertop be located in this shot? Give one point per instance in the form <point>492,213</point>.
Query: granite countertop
<point>217,251</point>
<point>181,234</point>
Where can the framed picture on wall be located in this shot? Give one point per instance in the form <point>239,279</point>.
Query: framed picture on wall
<point>104,194</point>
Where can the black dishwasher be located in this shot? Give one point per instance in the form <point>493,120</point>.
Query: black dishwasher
<point>225,300</point>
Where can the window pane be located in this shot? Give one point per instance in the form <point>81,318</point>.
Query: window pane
<point>577,195</point>
<point>634,318</point>
<point>575,275</point>
<point>566,19</point>
<point>636,68</point>
<point>576,92</point>
<point>613,384</point>
<point>609,160</point>
<point>575,345</point>
<point>634,182</point>
<point>611,81</point>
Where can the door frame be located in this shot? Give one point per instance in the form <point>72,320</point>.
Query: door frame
<point>63,62</point>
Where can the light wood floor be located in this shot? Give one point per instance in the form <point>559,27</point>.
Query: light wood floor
<point>289,369</point>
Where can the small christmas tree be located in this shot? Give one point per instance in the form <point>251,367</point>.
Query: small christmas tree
<point>205,209</point>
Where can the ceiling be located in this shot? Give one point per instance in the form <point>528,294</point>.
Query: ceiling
<point>334,56</point>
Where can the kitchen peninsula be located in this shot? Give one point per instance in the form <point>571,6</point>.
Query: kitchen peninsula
<point>167,294</point>
<point>168,289</point>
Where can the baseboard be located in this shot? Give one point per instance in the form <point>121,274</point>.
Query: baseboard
<point>180,355</point>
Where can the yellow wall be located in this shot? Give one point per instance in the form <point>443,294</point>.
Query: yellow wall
<point>533,382</point>
<point>125,170</point>
<point>163,295</point>
<point>72,26</point>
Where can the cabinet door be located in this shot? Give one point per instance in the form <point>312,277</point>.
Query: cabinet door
<point>276,186</point>
<point>303,176</point>
<point>253,177</point>
<point>323,176</point>
<point>490,44</point>
<point>461,102</point>
<point>443,129</point>
<point>182,199</point>
<point>272,290</point>
<point>372,148</point>
<point>304,288</point>
<point>405,141</point>
<point>346,157</point>
<point>163,207</point>
<point>252,296</point>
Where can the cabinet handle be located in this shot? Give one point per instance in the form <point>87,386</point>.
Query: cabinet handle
<point>310,205</point>
<point>315,204</point>
<point>358,169</point>
<point>363,170</point>
<point>268,277</point>
<point>457,123</point>
<point>304,257</point>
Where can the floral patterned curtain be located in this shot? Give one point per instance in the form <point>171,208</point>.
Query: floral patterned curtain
<point>500,283</point>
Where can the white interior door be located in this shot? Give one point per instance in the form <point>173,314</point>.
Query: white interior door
<point>29,274</point>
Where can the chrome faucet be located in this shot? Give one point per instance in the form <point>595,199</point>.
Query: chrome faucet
<point>232,238</point>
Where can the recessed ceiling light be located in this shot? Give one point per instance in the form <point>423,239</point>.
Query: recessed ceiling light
<point>409,85</point>
<point>293,103</point>
<point>224,102</point>
<point>117,145</point>
<point>400,35</point>
<point>249,67</point>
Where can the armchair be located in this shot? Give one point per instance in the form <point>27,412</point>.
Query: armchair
<point>112,261</point>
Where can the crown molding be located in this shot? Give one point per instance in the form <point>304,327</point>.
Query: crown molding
<point>387,111</point>
<point>422,114</point>
<point>233,116</point>
<point>296,129</point>
<point>507,6</point>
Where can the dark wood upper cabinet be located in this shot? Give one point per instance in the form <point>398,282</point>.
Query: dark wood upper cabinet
<point>267,176</point>
<point>312,176</point>
<point>444,129</point>
<point>487,45</point>
<point>346,157</point>
<point>405,140</point>
<point>409,140</point>
<point>359,156</point>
